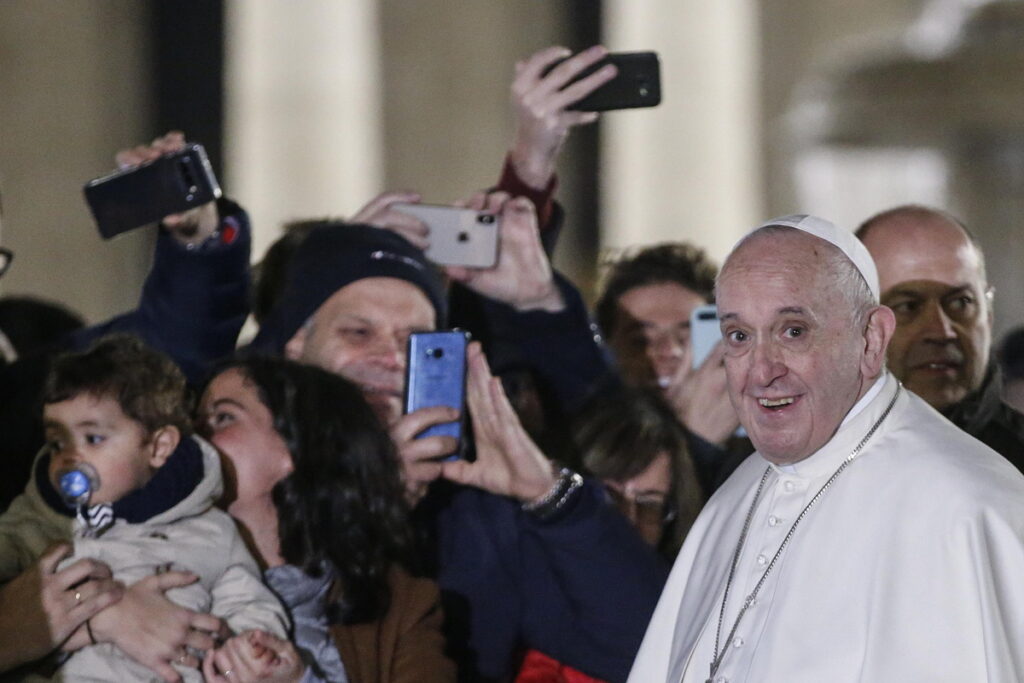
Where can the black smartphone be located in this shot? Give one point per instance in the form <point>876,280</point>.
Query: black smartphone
<point>637,83</point>
<point>143,195</point>
<point>458,237</point>
<point>435,375</point>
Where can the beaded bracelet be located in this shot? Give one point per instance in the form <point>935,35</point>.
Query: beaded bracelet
<point>557,496</point>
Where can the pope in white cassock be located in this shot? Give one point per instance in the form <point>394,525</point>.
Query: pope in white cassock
<point>867,539</point>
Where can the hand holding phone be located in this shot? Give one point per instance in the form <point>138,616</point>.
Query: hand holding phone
<point>522,277</point>
<point>457,236</point>
<point>540,101</point>
<point>436,376</point>
<point>160,186</point>
<point>637,83</point>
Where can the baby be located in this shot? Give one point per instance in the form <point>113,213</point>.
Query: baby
<point>123,479</point>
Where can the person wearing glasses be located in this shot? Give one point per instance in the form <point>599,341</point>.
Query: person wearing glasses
<point>632,442</point>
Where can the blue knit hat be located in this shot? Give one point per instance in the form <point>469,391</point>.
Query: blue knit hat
<point>338,254</point>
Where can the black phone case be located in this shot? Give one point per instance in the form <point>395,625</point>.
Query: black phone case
<point>143,195</point>
<point>637,84</point>
<point>435,374</point>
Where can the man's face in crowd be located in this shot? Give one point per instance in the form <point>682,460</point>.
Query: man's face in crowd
<point>652,332</point>
<point>932,277</point>
<point>793,360</point>
<point>360,333</point>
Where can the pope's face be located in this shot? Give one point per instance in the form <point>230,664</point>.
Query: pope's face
<point>932,278</point>
<point>792,357</point>
<point>361,333</point>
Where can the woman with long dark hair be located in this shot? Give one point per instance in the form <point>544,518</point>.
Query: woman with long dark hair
<point>313,480</point>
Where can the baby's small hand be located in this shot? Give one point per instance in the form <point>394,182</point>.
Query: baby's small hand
<point>254,656</point>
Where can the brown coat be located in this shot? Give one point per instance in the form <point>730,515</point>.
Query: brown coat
<point>406,646</point>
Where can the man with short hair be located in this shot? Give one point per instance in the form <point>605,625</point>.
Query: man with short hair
<point>868,539</point>
<point>644,309</point>
<point>932,275</point>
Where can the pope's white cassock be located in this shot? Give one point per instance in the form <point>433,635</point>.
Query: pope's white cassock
<point>909,568</point>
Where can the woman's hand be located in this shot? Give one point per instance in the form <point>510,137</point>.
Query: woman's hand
<point>42,607</point>
<point>254,656</point>
<point>154,631</point>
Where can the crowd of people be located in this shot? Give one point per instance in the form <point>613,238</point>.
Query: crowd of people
<point>836,488</point>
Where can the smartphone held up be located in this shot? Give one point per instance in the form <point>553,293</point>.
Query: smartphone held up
<point>704,332</point>
<point>637,83</point>
<point>458,237</point>
<point>145,194</point>
<point>436,376</point>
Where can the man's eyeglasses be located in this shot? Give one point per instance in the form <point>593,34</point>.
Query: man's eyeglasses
<point>6,256</point>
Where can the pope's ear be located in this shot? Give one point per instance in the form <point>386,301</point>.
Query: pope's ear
<point>163,442</point>
<point>878,331</point>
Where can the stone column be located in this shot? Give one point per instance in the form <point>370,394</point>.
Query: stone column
<point>74,82</point>
<point>689,169</point>
<point>303,109</point>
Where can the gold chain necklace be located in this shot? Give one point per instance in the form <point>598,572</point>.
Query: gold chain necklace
<point>716,662</point>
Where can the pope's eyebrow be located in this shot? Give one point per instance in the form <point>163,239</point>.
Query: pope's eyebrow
<point>785,310</point>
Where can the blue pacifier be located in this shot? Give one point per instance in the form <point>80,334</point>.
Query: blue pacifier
<point>78,484</point>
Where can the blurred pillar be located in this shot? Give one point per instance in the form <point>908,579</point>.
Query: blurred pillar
<point>688,169</point>
<point>74,78</point>
<point>303,109</point>
<point>946,84</point>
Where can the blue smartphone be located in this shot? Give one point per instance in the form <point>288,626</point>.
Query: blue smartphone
<point>435,375</point>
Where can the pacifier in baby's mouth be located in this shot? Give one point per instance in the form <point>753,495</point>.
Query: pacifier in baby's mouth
<point>77,484</point>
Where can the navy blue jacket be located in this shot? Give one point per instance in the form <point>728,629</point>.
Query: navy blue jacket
<point>580,586</point>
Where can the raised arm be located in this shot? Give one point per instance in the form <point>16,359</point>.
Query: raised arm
<point>196,296</point>
<point>588,583</point>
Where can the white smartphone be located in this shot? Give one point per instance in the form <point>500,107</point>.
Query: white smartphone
<point>704,332</point>
<point>458,237</point>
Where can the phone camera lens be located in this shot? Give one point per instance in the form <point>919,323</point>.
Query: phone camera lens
<point>485,219</point>
<point>435,353</point>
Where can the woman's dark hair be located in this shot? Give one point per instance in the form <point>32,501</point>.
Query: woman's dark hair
<point>619,436</point>
<point>343,505</point>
